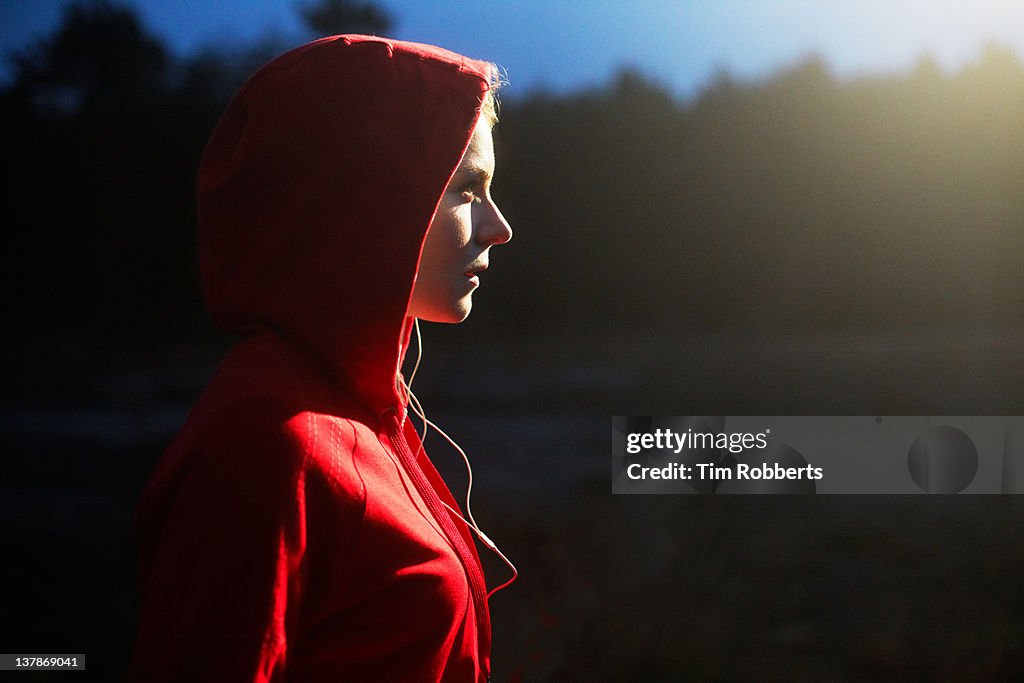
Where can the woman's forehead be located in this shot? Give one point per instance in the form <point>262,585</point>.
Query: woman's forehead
<point>479,156</point>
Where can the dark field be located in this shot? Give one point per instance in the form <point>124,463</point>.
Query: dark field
<point>612,588</point>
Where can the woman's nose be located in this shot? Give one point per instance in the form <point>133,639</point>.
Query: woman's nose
<point>492,228</point>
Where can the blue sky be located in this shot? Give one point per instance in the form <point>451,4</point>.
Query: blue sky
<point>576,43</point>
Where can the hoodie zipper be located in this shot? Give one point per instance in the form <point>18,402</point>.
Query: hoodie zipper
<point>477,585</point>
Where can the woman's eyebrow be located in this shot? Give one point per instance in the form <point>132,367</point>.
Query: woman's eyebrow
<point>478,173</point>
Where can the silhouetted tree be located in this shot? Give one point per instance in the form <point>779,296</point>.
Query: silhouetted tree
<point>100,60</point>
<point>331,17</point>
<point>98,219</point>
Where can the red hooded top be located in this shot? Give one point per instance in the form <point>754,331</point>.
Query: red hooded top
<point>290,533</point>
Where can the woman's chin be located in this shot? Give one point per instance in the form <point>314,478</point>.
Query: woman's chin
<point>451,314</point>
<point>460,312</point>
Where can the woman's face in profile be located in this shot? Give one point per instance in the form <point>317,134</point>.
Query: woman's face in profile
<point>467,224</point>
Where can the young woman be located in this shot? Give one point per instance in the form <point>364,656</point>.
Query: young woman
<point>296,530</point>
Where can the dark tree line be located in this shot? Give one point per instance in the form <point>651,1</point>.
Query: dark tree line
<point>800,201</point>
<point>102,134</point>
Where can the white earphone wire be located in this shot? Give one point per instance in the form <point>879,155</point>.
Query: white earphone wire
<point>417,408</point>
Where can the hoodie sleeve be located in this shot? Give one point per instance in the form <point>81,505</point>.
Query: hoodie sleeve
<point>224,581</point>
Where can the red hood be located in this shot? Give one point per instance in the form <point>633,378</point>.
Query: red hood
<point>316,191</point>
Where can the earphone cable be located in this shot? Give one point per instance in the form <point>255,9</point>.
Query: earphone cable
<point>417,408</point>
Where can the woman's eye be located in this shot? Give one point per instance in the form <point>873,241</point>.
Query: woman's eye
<point>470,194</point>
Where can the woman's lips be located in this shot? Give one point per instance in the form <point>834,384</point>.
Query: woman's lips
<point>473,274</point>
